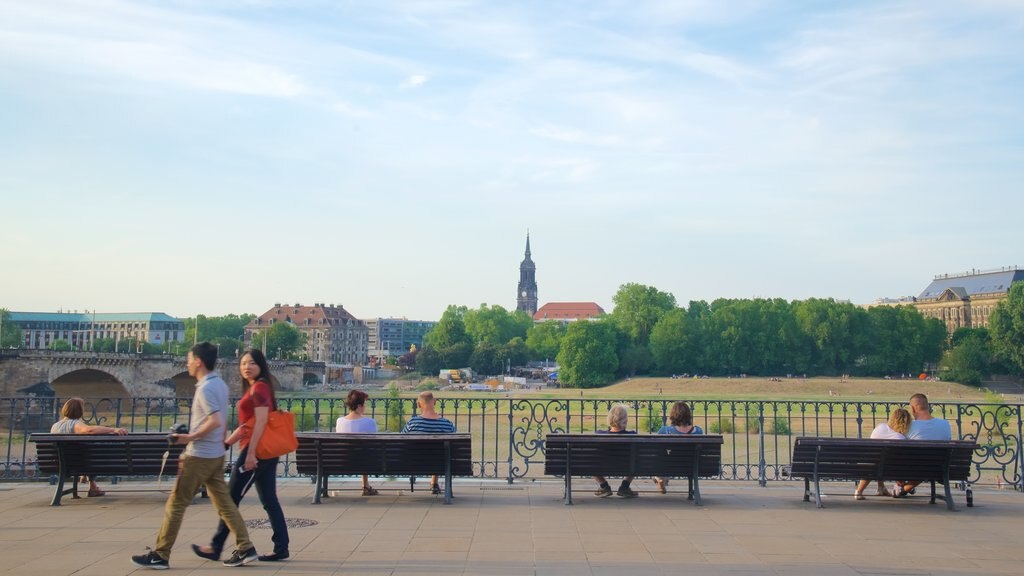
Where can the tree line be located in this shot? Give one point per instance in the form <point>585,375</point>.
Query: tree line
<point>647,333</point>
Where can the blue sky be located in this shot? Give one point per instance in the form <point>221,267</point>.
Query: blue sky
<point>212,157</point>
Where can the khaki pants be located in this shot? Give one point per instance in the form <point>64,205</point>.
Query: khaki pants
<point>194,472</point>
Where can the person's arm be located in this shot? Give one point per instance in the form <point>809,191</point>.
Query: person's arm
<point>211,423</point>
<point>83,428</point>
<point>261,414</point>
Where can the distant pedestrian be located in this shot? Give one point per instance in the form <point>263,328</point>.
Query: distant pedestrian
<point>201,464</point>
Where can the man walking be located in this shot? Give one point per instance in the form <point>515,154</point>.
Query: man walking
<point>201,464</point>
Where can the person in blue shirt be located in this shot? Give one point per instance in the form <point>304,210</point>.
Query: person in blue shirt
<point>924,427</point>
<point>680,422</point>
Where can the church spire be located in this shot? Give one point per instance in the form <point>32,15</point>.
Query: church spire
<point>526,291</point>
<point>527,244</point>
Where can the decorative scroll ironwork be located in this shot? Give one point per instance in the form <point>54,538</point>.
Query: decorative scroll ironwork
<point>509,433</point>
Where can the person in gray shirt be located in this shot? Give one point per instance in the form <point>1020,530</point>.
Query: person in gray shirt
<point>201,464</point>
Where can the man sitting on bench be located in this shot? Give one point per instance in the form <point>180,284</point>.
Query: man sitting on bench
<point>924,427</point>
<point>428,422</point>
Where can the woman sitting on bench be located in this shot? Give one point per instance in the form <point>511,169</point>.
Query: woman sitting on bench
<point>681,422</point>
<point>895,429</point>
<point>356,423</point>
<point>71,423</point>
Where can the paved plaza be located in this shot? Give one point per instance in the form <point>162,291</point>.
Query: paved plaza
<point>525,529</point>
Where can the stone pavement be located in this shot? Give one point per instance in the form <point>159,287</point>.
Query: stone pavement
<point>524,529</point>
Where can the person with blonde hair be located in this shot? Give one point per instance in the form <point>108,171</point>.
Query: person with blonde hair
<point>71,423</point>
<point>618,419</point>
<point>428,421</point>
<point>895,429</point>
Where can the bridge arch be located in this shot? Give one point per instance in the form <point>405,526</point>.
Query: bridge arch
<point>89,383</point>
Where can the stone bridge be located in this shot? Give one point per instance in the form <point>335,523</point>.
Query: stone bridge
<point>97,375</point>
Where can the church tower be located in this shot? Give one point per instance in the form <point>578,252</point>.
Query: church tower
<point>526,298</point>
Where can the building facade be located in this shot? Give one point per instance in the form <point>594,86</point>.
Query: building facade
<point>967,300</point>
<point>333,335</point>
<point>40,330</point>
<point>568,311</point>
<point>395,336</point>
<point>526,290</point>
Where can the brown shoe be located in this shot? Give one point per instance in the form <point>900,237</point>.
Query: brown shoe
<point>369,491</point>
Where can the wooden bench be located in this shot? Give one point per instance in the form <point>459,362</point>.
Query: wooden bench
<point>816,459</point>
<point>666,455</point>
<point>325,454</point>
<point>73,455</point>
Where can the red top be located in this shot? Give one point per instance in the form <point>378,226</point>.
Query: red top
<point>259,395</point>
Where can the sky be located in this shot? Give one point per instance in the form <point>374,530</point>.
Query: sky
<point>212,157</point>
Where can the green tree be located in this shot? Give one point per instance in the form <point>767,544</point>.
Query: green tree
<point>638,308</point>
<point>495,325</point>
<point>60,346</point>
<point>283,341</point>
<point>514,353</point>
<point>429,361</point>
<point>1007,328</point>
<point>449,330</point>
<point>670,343</point>
<point>544,338</point>
<point>485,359</point>
<point>10,334</point>
<point>969,361</point>
<point>587,356</point>
<point>225,330</point>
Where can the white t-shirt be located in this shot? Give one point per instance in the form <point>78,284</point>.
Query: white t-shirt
<point>363,425</point>
<point>884,432</point>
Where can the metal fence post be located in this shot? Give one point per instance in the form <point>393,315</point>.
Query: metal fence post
<point>762,478</point>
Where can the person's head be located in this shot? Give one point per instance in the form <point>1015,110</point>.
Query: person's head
<point>900,420</point>
<point>680,415</point>
<point>253,366</point>
<point>618,417</point>
<point>73,408</point>
<point>355,399</point>
<point>426,401</point>
<point>920,407</point>
<point>202,358</point>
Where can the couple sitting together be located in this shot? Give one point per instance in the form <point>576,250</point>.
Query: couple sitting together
<point>680,422</point>
<point>901,427</point>
<point>428,421</point>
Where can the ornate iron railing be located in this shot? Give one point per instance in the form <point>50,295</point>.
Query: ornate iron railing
<point>508,433</point>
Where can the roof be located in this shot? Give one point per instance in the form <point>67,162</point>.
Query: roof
<point>568,311</point>
<point>298,315</point>
<point>89,317</point>
<point>965,285</point>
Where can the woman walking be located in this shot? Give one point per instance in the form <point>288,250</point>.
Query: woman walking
<point>254,408</point>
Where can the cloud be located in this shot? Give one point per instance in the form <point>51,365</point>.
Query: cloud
<point>415,81</point>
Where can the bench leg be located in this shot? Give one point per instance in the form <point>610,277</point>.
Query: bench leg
<point>448,483</point>
<point>932,501</point>
<point>568,490</point>
<point>74,489</point>
<point>318,491</point>
<point>695,482</point>
<point>58,492</point>
<point>817,492</point>
<point>689,493</point>
<point>949,495</point>
<point>807,489</point>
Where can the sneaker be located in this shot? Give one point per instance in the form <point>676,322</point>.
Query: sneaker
<point>198,551</point>
<point>627,492</point>
<point>239,558</point>
<point>275,557</point>
<point>435,489</point>
<point>660,483</point>
<point>858,495</point>
<point>604,491</point>
<point>150,560</point>
<point>369,491</point>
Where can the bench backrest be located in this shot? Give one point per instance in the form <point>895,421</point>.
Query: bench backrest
<point>882,459</point>
<point>136,454</point>
<point>383,454</point>
<point>633,455</point>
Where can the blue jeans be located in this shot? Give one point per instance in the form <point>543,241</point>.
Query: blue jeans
<point>264,477</point>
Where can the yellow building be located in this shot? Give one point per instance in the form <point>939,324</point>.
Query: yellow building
<point>967,300</point>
